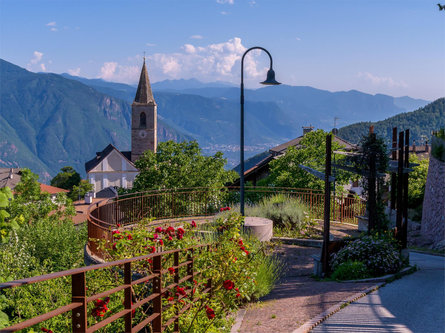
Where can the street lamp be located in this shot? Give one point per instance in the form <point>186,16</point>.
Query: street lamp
<point>270,80</point>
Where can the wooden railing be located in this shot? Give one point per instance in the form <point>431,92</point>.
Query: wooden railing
<point>80,298</point>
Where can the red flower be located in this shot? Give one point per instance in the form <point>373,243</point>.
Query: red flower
<point>238,295</point>
<point>181,291</point>
<point>221,209</point>
<point>228,284</point>
<point>152,249</point>
<point>247,252</point>
<point>159,230</point>
<point>115,231</point>
<point>170,299</point>
<point>161,242</point>
<point>171,270</point>
<point>193,224</point>
<point>242,248</point>
<point>118,225</point>
<point>180,236</point>
<point>129,236</point>
<point>236,289</point>
<point>46,330</point>
<point>155,236</point>
<point>114,246</point>
<point>240,242</point>
<point>150,260</point>
<point>170,230</point>
<point>101,307</point>
<point>210,313</point>
<point>180,230</point>
<point>170,238</point>
<point>228,208</point>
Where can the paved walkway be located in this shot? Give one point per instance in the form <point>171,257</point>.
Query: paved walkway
<point>298,297</point>
<point>415,303</point>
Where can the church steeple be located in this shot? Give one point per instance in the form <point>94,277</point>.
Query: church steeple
<point>144,94</point>
<point>143,118</point>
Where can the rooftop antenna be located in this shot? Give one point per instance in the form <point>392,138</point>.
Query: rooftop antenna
<point>144,56</point>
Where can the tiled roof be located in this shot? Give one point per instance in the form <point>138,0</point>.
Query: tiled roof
<point>280,149</point>
<point>52,189</point>
<point>9,177</point>
<point>91,164</point>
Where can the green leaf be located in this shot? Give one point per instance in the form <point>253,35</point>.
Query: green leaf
<point>4,319</point>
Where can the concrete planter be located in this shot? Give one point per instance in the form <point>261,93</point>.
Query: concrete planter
<point>259,227</point>
<point>362,223</point>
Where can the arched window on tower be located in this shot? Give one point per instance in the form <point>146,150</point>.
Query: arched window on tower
<point>142,120</point>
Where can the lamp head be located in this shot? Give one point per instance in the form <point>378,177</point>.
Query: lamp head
<point>270,80</point>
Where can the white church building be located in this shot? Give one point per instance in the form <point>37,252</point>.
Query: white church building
<point>112,167</point>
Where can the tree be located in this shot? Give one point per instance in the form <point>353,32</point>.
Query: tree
<point>417,181</point>
<point>81,189</point>
<point>67,178</point>
<point>180,165</point>
<point>285,171</point>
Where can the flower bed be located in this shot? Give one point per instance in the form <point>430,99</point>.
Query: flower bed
<point>239,269</point>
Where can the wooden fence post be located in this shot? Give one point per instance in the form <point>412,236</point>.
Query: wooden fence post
<point>78,292</point>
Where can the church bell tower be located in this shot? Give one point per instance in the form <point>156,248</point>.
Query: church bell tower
<point>143,118</point>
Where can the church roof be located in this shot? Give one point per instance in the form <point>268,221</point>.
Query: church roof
<point>91,164</point>
<point>144,94</point>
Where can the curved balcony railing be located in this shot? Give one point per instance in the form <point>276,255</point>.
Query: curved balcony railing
<point>129,209</point>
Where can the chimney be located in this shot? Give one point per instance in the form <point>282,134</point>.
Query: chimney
<point>307,129</point>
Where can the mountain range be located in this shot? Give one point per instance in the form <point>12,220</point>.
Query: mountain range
<point>50,120</point>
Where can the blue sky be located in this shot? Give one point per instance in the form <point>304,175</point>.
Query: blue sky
<point>392,47</point>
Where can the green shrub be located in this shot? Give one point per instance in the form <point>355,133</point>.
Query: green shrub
<point>284,211</point>
<point>380,255</point>
<point>350,270</point>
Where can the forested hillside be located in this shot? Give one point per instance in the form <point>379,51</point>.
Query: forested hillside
<point>420,123</point>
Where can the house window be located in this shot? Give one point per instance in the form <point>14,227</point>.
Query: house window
<point>142,120</point>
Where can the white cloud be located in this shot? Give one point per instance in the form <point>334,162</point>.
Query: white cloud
<point>252,3</point>
<point>36,63</point>
<point>224,13</point>
<point>112,71</point>
<point>298,38</point>
<point>219,61</point>
<point>230,2</point>
<point>196,37</point>
<point>381,80</point>
<point>52,26</point>
<point>37,56</point>
<point>189,48</point>
<point>150,44</point>
<point>74,72</point>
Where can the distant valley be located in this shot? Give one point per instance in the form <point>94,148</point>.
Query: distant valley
<point>49,120</point>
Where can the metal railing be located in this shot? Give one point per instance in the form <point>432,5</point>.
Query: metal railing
<point>193,202</point>
<point>80,298</point>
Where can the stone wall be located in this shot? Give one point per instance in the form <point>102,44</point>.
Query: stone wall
<point>433,214</point>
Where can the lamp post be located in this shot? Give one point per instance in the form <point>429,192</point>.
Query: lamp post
<point>270,80</point>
